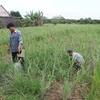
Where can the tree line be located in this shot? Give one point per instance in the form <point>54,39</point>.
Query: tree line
<point>38,19</point>
<point>61,20</point>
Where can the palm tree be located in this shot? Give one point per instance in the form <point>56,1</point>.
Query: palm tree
<point>30,15</point>
<point>37,17</point>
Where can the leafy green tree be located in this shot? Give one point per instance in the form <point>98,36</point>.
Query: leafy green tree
<point>61,19</point>
<point>26,22</point>
<point>49,21</point>
<point>97,21</point>
<point>58,19</point>
<point>55,21</point>
<point>30,15</point>
<point>81,21</point>
<point>45,20</point>
<point>37,17</point>
<point>88,20</point>
<point>15,14</point>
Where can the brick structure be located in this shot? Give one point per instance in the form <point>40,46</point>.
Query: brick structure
<point>7,18</point>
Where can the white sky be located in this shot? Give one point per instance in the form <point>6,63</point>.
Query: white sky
<point>72,9</point>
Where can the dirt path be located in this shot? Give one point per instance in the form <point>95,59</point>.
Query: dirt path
<point>54,93</point>
<point>76,94</point>
<point>56,90</point>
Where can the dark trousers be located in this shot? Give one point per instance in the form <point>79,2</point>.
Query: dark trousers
<point>77,65</point>
<point>15,58</point>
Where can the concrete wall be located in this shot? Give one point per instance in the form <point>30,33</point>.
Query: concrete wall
<point>14,20</point>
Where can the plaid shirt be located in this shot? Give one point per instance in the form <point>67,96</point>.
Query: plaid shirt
<point>15,40</point>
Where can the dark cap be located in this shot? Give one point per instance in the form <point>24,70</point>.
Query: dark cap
<point>69,51</point>
<point>10,25</point>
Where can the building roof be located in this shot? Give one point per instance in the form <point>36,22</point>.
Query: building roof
<point>4,12</point>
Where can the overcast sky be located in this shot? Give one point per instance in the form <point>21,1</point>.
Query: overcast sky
<point>73,9</point>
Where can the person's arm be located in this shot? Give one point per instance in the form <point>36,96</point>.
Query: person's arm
<point>20,42</point>
<point>19,48</point>
<point>74,58</point>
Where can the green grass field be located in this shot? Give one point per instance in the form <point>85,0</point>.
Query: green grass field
<point>46,63</point>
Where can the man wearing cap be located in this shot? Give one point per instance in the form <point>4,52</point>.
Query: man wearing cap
<point>76,59</point>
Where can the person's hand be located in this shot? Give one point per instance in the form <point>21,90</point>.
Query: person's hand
<point>8,49</point>
<point>19,48</point>
<point>19,51</point>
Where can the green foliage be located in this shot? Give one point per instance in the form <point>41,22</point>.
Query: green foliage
<point>37,17</point>
<point>95,89</point>
<point>58,19</point>
<point>55,21</point>
<point>62,20</point>
<point>26,22</point>
<point>15,14</point>
<point>86,21</point>
<point>24,84</point>
<point>30,15</point>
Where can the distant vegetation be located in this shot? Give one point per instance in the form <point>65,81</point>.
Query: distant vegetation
<point>33,19</point>
<point>38,19</point>
<point>61,20</point>
<point>15,14</point>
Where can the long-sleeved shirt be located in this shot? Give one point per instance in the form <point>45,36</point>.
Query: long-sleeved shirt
<point>15,40</point>
<point>77,57</point>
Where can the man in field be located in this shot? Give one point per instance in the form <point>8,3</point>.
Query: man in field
<point>15,42</point>
<point>76,59</point>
